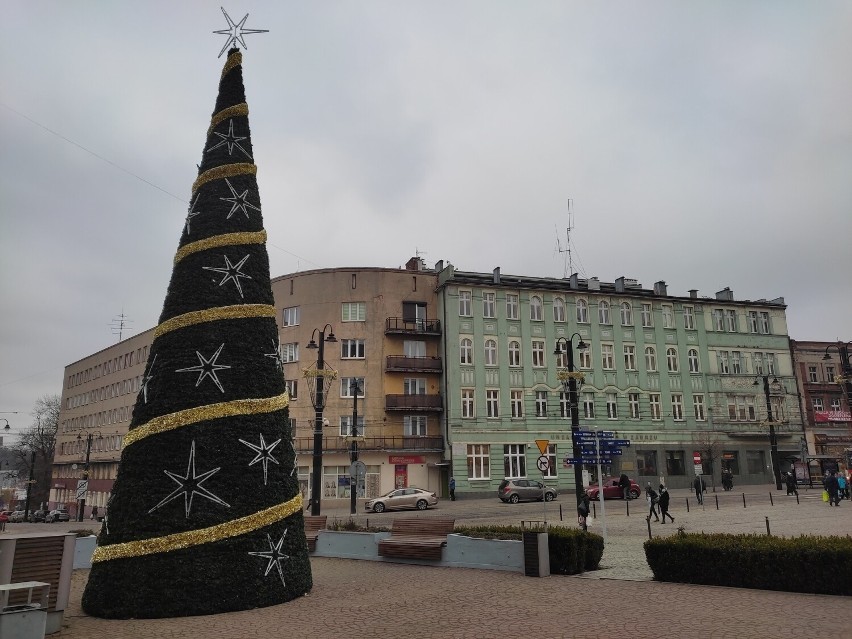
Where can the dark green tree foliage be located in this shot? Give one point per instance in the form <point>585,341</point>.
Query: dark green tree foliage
<point>205,515</point>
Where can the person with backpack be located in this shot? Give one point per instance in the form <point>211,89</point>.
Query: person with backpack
<point>663,500</point>
<point>583,508</point>
<point>652,497</point>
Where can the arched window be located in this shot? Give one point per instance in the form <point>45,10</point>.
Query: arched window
<point>603,312</point>
<point>671,360</point>
<point>650,359</point>
<point>582,312</point>
<point>490,352</point>
<point>626,314</point>
<point>466,351</point>
<point>694,366</point>
<point>514,353</point>
<point>558,309</point>
<point>535,308</point>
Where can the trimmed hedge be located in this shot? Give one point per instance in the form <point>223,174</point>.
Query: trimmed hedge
<point>797,564</point>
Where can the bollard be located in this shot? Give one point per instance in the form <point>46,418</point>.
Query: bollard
<point>628,507</point>
<point>744,500</point>
<point>717,502</point>
<point>797,498</point>
<point>771,503</point>
<point>560,512</point>
<point>767,527</point>
<point>594,511</point>
<point>687,504</point>
<point>648,520</point>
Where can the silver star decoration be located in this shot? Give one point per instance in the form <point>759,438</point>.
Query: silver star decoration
<point>236,31</point>
<point>231,140</point>
<point>295,457</point>
<point>276,354</point>
<point>274,555</point>
<point>191,214</point>
<point>231,272</point>
<point>238,201</point>
<point>207,368</point>
<point>190,485</point>
<point>147,378</point>
<point>264,453</point>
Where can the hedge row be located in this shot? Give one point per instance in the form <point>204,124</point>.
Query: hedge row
<point>795,564</point>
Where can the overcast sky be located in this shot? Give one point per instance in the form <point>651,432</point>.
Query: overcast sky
<point>707,144</point>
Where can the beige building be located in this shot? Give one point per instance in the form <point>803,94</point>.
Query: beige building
<point>387,340</point>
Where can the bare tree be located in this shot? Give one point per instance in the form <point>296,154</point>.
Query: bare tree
<point>37,444</point>
<point>709,445</point>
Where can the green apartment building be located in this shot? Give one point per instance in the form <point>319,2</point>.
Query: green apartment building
<point>674,375</point>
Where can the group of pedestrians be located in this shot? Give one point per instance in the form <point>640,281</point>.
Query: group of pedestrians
<point>837,486</point>
<point>658,499</point>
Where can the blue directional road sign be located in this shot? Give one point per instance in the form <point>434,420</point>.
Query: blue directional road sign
<point>588,460</point>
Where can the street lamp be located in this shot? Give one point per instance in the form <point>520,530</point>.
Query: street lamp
<point>322,379</point>
<point>355,387</point>
<point>846,378</point>
<point>773,440</point>
<point>83,485</point>
<point>569,380</point>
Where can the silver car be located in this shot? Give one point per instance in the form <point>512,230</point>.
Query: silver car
<point>402,498</point>
<point>515,490</point>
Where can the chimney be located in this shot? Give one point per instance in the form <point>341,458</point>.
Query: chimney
<point>573,282</point>
<point>660,289</point>
<point>619,285</point>
<point>497,275</point>
<point>594,284</point>
<point>693,293</point>
<point>725,295</point>
<point>413,264</point>
<point>439,266</point>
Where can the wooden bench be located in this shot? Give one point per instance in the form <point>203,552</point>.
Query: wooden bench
<point>419,538</point>
<point>313,524</point>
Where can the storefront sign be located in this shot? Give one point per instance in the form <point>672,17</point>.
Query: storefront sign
<point>823,416</point>
<point>406,459</point>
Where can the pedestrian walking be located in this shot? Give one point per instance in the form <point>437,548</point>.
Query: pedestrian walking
<point>833,487</point>
<point>663,500</point>
<point>94,516</point>
<point>842,485</point>
<point>652,497</point>
<point>452,488</point>
<point>583,508</point>
<point>792,489</point>
<point>699,486</point>
<point>624,484</point>
<point>848,482</point>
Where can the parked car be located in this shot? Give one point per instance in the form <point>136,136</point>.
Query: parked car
<point>17,517</point>
<point>37,515</point>
<point>57,515</point>
<point>515,490</point>
<point>612,490</point>
<point>402,498</point>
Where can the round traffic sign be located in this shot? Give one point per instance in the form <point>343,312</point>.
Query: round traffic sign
<point>543,463</point>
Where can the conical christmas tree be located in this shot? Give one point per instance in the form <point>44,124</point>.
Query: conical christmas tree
<point>206,513</point>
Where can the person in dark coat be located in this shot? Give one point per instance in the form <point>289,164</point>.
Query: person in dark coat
<point>624,484</point>
<point>792,489</point>
<point>452,488</point>
<point>833,488</point>
<point>698,485</point>
<point>652,497</point>
<point>663,500</point>
<point>583,508</point>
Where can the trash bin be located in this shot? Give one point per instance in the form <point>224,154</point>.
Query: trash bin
<point>26,620</point>
<point>536,549</point>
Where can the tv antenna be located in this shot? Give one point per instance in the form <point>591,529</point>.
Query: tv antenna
<point>568,268</point>
<point>119,323</point>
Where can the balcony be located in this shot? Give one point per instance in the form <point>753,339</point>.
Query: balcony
<point>412,326</point>
<point>403,364</point>
<point>305,445</point>
<point>422,403</point>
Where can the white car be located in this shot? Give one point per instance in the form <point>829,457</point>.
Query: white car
<point>402,498</point>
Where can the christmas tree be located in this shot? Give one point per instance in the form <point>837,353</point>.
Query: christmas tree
<point>206,514</point>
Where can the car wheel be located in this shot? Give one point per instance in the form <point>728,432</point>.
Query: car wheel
<point>548,496</point>
<point>514,499</point>
<point>378,507</point>
<point>422,505</point>
<point>634,494</point>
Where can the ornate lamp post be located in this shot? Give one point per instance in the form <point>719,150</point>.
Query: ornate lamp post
<point>83,485</point>
<point>322,382</point>
<point>569,381</point>
<point>845,378</point>
<point>773,440</point>
<point>353,453</point>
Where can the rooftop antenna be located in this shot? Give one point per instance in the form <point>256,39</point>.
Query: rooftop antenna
<point>568,268</point>
<point>119,323</point>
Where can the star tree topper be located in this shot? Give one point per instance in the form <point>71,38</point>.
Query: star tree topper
<point>236,31</point>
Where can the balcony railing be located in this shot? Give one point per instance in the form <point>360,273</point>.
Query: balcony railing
<point>390,444</point>
<point>414,402</point>
<point>405,326</point>
<point>402,363</point>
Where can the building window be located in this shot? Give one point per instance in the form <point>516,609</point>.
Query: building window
<point>757,359</point>
<point>689,317</point>
<point>603,312</point>
<point>829,373</point>
<point>291,316</point>
<point>812,373</point>
<point>535,308</point>
<point>558,309</point>
<point>755,462</point>
<point>538,353</point>
<point>466,351</point>
<point>646,463</point>
<point>731,320</point>
<point>512,306</point>
<point>492,403</point>
<point>647,315</point>
<point>650,359</point>
<point>564,404</point>
<point>674,462</point>
<point>741,408</point>
<point>346,425</point>
<point>671,360</point>
<point>582,312</point>
<point>467,404</point>
<point>515,460</point>
<point>835,406</point>
<point>414,425</point>
<point>694,365</point>
<point>292,386</point>
<point>626,314</point>
<point>677,407</point>
<point>607,357</point>
<point>731,461</point>
<point>633,403</point>
<point>736,362</point>
<point>550,473</point>
<point>655,405</point>
<point>289,352</point>
<point>354,311</point>
<point>718,319</point>
<point>629,357</point>
<point>489,305</point>
<point>589,405</point>
<point>490,352</point>
<point>819,405</point>
<point>516,401</point>
<point>347,388</point>
<point>414,386</point>
<point>352,349</point>
<point>752,322</point>
<point>541,403</point>
<point>611,406</point>
<point>770,363</point>
<point>698,406</point>
<point>514,353</point>
<point>478,466</point>
<point>724,363</point>
<point>586,358</point>
<point>764,323</point>
<point>668,316</point>
<point>464,304</point>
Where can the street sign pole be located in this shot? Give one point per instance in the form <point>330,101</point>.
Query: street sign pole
<point>601,486</point>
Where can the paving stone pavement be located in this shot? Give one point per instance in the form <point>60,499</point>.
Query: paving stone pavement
<point>375,599</point>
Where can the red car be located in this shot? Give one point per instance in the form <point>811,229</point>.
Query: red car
<point>612,490</point>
